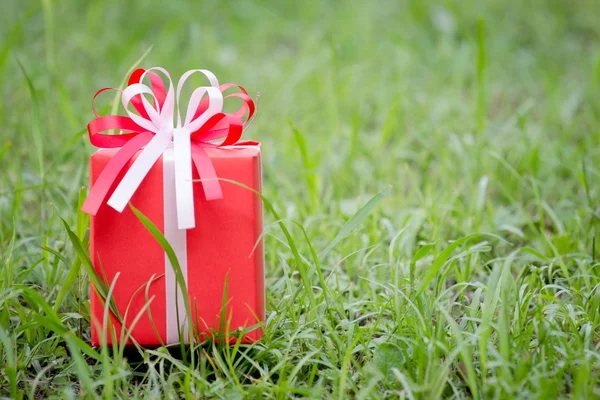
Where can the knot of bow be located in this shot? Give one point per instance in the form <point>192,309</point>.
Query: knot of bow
<point>153,129</point>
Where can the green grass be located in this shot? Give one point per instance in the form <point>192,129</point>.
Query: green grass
<point>477,276</point>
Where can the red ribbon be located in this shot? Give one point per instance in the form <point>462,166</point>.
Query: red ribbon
<point>228,126</point>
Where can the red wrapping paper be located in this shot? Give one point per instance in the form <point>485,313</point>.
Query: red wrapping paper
<point>224,246</point>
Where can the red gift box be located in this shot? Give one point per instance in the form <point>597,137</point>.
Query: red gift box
<point>213,225</point>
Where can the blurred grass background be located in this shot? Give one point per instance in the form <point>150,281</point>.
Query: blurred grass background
<point>482,116</point>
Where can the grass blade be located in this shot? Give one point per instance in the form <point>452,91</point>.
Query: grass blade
<point>38,140</point>
<point>4,149</point>
<point>10,367</point>
<point>36,126</point>
<point>164,243</point>
<point>440,261</point>
<point>71,279</point>
<point>481,61</point>
<point>81,367</point>
<point>116,101</point>
<point>311,176</point>
<point>98,283</point>
<point>355,220</point>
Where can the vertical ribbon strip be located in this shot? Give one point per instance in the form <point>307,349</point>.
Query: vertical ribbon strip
<point>176,318</point>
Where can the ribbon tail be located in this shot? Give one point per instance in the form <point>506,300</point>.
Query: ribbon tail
<point>207,173</point>
<point>109,174</point>
<point>140,168</point>
<point>184,189</point>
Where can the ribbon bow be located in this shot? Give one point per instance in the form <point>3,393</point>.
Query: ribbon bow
<point>152,129</point>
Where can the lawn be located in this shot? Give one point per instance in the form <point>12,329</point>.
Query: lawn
<point>436,166</point>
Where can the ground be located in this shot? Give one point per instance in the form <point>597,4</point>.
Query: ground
<point>474,274</point>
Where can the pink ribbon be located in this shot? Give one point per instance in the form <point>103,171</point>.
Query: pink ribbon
<point>152,130</point>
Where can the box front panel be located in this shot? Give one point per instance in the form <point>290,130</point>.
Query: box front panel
<point>223,247</point>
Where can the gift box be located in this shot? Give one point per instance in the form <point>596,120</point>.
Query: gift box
<point>202,196</point>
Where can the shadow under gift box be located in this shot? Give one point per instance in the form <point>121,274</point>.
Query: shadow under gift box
<point>225,248</point>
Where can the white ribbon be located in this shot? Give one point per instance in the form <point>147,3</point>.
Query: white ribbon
<point>160,121</point>
<point>176,318</point>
